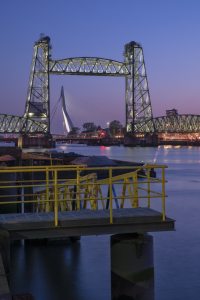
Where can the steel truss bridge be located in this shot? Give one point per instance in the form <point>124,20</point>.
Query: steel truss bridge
<point>139,116</point>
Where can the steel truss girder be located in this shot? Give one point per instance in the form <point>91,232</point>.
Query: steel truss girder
<point>177,124</point>
<point>88,66</point>
<point>139,117</point>
<point>22,125</point>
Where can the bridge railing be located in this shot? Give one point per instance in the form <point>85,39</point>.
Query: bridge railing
<point>66,188</point>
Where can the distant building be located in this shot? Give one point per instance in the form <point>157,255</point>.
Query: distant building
<point>172,112</point>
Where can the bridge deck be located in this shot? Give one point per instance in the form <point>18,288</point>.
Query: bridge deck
<point>83,222</point>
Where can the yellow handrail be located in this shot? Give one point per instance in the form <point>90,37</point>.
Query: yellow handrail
<point>60,194</point>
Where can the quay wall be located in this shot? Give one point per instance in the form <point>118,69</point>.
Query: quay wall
<point>4,287</point>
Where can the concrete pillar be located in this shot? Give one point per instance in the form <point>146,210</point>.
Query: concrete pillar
<point>129,140</point>
<point>152,140</point>
<point>132,267</point>
<point>143,142</point>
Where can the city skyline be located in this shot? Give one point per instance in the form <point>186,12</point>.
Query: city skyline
<point>168,33</point>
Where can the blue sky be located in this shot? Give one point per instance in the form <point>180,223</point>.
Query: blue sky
<point>167,30</point>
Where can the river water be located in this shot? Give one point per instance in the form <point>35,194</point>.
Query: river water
<point>81,271</point>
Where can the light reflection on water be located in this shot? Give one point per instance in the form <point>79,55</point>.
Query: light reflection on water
<point>82,271</point>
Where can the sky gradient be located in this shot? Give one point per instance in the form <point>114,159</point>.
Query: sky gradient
<point>167,30</point>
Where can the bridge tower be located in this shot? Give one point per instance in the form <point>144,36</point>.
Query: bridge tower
<point>68,122</point>
<point>139,117</point>
<point>37,101</point>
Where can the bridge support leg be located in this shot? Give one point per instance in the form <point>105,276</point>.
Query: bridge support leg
<point>132,267</point>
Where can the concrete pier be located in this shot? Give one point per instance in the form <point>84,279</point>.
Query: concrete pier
<point>25,141</point>
<point>150,140</point>
<point>132,267</point>
<point>129,140</point>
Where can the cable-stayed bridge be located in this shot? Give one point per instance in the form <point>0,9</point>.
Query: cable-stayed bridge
<point>139,116</point>
<point>76,112</point>
<point>79,112</point>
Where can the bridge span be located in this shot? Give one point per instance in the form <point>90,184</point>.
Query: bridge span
<point>139,115</point>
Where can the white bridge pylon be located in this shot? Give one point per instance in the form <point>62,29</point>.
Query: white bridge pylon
<point>68,122</point>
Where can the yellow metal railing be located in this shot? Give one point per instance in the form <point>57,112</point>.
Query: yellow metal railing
<point>74,193</point>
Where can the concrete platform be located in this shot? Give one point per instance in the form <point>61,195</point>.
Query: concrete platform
<point>84,222</point>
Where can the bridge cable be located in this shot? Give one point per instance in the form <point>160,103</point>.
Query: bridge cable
<point>54,111</point>
<point>78,111</point>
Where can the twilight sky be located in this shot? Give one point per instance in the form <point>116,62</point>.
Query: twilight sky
<point>167,30</point>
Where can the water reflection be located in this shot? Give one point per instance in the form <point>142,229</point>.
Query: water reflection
<point>45,269</point>
<point>67,271</point>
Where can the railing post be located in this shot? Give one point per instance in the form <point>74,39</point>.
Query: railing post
<point>148,186</point>
<point>29,190</point>
<point>56,197</point>
<point>135,190</point>
<point>163,192</point>
<point>47,190</point>
<point>110,187</point>
<point>78,188</point>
